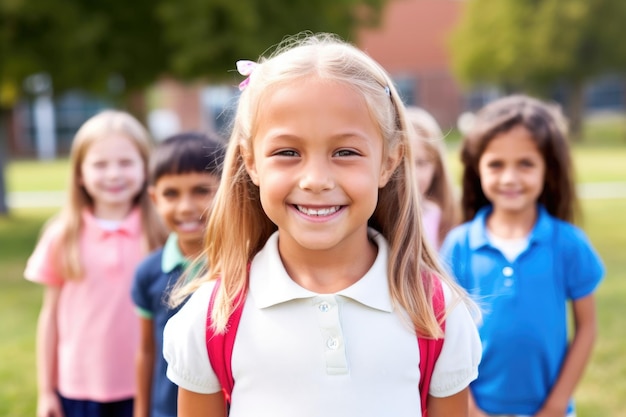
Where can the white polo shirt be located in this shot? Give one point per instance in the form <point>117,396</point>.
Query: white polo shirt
<point>299,353</point>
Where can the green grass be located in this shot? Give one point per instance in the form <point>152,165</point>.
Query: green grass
<point>37,175</point>
<point>19,306</point>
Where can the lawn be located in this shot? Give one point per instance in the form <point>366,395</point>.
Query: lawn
<point>601,393</point>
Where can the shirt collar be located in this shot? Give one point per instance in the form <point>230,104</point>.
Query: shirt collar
<point>130,226</point>
<point>172,256</point>
<point>271,285</point>
<point>478,227</point>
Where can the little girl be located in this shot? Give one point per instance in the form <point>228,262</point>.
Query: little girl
<point>87,332</point>
<point>439,204</point>
<point>316,230</point>
<point>522,259</point>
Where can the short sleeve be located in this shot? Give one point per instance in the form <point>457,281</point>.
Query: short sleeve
<point>460,355</point>
<point>140,289</point>
<point>184,345</point>
<point>40,266</point>
<point>583,267</point>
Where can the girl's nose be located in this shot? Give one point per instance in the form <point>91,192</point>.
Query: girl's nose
<point>509,175</point>
<point>113,171</point>
<point>316,176</point>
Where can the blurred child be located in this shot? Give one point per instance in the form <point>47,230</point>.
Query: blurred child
<point>439,204</point>
<point>316,232</point>
<point>184,176</point>
<point>86,257</point>
<point>523,260</point>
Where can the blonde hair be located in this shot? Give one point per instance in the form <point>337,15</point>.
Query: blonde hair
<point>238,228</point>
<point>100,127</point>
<point>440,191</point>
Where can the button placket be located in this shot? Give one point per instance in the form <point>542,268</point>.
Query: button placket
<point>508,273</point>
<point>332,335</point>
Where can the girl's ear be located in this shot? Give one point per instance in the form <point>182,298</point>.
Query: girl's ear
<point>390,164</point>
<point>247,155</point>
<point>152,193</point>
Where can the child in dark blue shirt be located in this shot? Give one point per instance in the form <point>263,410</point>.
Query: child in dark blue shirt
<point>184,176</point>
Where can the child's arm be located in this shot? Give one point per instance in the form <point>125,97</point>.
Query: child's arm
<point>454,405</point>
<point>48,404</point>
<point>474,410</point>
<point>144,368</point>
<point>578,354</point>
<point>192,404</point>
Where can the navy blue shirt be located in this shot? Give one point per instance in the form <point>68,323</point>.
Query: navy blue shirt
<point>154,278</point>
<point>524,303</point>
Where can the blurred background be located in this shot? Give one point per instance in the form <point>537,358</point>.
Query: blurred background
<point>172,64</point>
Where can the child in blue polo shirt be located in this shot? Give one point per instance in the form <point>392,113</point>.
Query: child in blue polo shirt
<point>521,258</point>
<point>184,176</point>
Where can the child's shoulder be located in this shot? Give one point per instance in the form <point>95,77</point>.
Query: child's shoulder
<point>151,264</point>
<point>568,234</point>
<point>459,233</point>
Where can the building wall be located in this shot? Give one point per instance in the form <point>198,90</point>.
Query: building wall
<point>411,44</point>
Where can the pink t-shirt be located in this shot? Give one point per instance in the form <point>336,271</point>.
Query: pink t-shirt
<point>98,331</point>
<point>431,217</point>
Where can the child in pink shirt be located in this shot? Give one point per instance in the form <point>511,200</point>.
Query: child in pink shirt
<point>438,202</point>
<point>87,333</point>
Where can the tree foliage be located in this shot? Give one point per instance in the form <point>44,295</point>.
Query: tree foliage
<point>207,37</point>
<point>535,44</point>
<point>87,44</point>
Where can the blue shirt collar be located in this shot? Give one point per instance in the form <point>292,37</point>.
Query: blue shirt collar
<point>478,228</point>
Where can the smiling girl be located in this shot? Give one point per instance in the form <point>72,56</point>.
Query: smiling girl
<point>523,261</point>
<point>86,258</point>
<point>315,231</point>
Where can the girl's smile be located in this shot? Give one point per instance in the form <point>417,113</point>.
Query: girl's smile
<point>112,173</point>
<point>317,158</point>
<point>512,172</point>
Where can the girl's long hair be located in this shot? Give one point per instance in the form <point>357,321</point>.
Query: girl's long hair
<point>69,220</point>
<point>547,126</point>
<point>441,191</point>
<point>238,227</point>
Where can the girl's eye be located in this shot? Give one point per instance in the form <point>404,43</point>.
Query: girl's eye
<point>170,194</point>
<point>494,164</point>
<point>126,162</point>
<point>100,164</point>
<point>345,152</point>
<point>527,163</point>
<point>286,152</point>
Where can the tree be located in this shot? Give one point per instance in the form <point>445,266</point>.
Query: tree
<point>208,37</point>
<point>536,45</point>
<point>111,46</point>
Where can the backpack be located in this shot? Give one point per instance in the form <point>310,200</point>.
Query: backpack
<point>220,346</point>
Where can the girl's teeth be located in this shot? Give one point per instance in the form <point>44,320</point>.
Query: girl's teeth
<point>318,212</point>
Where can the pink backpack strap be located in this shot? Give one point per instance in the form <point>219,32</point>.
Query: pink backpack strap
<point>220,345</point>
<point>431,348</point>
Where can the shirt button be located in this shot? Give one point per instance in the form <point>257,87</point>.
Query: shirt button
<point>332,343</point>
<point>508,282</point>
<point>507,271</point>
<point>324,307</point>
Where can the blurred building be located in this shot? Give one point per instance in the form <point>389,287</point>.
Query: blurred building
<point>412,45</point>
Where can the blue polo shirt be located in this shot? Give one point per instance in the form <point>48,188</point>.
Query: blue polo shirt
<point>154,278</point>
<point>524,302</point>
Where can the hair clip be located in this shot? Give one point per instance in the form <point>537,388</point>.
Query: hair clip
<point>388,91</point>
<point>245,67</point>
